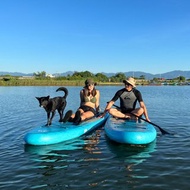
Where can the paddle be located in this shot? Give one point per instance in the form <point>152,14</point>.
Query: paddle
<point>162,130</point>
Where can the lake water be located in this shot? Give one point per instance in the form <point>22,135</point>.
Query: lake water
<point>94,162</point>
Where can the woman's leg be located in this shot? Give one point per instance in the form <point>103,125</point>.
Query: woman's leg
<point>86,115</point>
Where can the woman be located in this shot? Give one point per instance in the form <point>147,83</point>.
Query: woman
<point>89,104</point>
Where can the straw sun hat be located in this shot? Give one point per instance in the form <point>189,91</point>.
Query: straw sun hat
<point>130,80</point>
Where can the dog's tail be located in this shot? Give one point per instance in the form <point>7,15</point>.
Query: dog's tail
<point>63,89</point>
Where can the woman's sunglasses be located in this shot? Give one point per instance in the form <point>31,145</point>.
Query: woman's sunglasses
<point>89,85</point>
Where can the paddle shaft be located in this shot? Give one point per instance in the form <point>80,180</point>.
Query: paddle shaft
<point>162,130</point>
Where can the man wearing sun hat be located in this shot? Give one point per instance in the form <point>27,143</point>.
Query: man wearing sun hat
<point>131,81</point>
<point>129,96</point>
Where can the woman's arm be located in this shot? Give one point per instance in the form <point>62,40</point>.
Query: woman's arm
<point>81,97</point>
<point>97,104</point>
<point>108,106</point>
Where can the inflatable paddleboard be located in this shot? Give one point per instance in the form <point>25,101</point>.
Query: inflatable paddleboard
<point>129,131</point>
<point>60,132</point>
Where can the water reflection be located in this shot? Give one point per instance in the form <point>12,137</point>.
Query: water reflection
<point>131,154</point>
<point>93,140</point>
<point>62,151</point>
<point>53,158</point>
<point>54,148</point>
<point>66,161</point>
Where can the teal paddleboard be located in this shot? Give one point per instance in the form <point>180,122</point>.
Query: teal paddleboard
<point>129,131</point>
<point>60,132</point>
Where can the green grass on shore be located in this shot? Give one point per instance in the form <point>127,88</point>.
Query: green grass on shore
<point>35,82</point>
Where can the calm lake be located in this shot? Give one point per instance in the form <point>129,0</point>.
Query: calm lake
<point>94,162</point>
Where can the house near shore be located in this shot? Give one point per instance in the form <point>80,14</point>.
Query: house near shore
<point>50,76</point>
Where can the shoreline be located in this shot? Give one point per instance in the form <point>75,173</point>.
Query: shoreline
<point>79,83</point>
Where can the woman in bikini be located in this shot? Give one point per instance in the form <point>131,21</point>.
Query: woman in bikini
<point>89,104</point>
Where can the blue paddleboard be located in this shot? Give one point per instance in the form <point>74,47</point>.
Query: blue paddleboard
<point>129,131</point>
<point>60,132</point>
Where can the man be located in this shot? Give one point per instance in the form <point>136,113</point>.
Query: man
<point>128,98</point>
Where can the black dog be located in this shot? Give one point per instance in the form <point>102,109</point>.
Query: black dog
<point>53,104</point>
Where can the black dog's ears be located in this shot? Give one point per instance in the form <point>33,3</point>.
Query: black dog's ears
<point>46,98</point>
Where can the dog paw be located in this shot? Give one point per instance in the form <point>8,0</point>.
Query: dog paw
<point>48,124</point>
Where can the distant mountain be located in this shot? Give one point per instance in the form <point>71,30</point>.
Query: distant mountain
<point>64,74</point>
<point>174,74</point>
<point>15,74</point>
<point>168,75</point>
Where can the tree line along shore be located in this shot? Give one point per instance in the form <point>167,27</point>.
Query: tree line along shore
<point>78,79</point>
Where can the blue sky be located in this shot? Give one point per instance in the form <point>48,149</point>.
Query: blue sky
<point>56,36</point>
